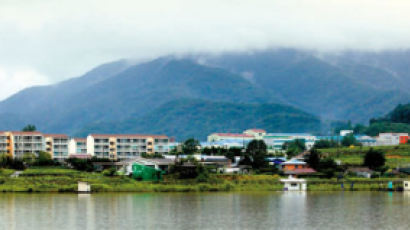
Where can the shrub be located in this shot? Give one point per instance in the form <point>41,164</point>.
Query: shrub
<point>110,172</point>
<point>374,159</point>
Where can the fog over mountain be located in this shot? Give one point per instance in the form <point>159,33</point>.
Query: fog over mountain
<point>45,41</point>
<point>300,88</point>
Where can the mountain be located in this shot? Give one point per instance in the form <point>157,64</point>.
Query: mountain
<point>319,84</point>
<point>348,86</point>
<point>187,118</point>
<point>124,91</point>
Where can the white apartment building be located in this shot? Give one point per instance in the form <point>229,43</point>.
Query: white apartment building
<point>57,145</point>
<point>77,146</point>
<point>4,142</point>
<point>124,146</point>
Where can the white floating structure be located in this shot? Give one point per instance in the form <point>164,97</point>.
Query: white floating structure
<point>294,184</point>
<point>406,185</point>
<point>84,187</point>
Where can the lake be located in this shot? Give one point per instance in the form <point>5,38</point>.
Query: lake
<point>264,210</point>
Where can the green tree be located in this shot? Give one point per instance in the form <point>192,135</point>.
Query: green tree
<point>349,140</point>
<point>327,166</point>
<point>256,152</point>
<point>29,158</point>
<point>190,146</point>
<point>314,159</point>
<point>44,159</point>
<point>359,129</point>
<point>374,159</point>
<point>29,128</point>
<point>294,147</point>
<point>325,144</point>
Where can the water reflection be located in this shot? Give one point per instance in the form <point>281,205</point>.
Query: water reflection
<point>281,210</point>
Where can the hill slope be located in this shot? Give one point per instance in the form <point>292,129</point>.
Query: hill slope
<point>186,118</point>
<point>341,89</point>
<point>136,90</point>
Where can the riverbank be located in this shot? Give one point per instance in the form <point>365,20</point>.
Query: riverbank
<point>65,180</point>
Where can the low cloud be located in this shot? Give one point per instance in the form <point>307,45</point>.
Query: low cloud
<point>12,82</point>
<point>65,38</point>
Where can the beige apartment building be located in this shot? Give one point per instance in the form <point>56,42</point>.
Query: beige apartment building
<point>124,146</point>
<point>57,145</point>
<point>19,143</point>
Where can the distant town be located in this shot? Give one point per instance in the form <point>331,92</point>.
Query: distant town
<point>125,146</point>
<point>224,151</point>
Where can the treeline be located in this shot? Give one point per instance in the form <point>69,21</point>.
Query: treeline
<point>28,159</point>
<point>398,121</point>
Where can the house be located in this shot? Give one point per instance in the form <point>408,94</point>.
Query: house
<point>392,138</point>
<point>294,184</point>
<point>276,161</point>
<point>293,164</point>
<point>300,172</point>
<point>361,171</point>
<point>162,164</point>
<point>256,133</point>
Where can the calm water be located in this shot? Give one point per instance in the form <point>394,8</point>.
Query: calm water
<point>276,210</point>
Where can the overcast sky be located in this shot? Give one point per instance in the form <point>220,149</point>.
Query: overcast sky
<point>46,41</point>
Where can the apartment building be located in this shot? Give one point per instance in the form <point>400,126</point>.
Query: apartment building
<point>124,146</point>
<point>4,143</point>
<point>77,146</point>
<point>19,143</point>
<point>392,138</point>
<point>215,137</point>
<point>57,145</point>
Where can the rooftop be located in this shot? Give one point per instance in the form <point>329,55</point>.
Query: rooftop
<point>233,135</point>
<point>257,130</point>
<point>56,135</point>
<point>127,135</point>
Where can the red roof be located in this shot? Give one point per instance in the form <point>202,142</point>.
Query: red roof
<point>233,135</point>
<point>128,135</point>
<point>80,139</point>
<point>258,130</point>
<point>25,133</point>
<point>81,156</point>
<point>56,135</point>
<point>300,171</point>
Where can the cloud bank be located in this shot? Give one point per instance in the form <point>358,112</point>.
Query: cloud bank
<point>61,39</point>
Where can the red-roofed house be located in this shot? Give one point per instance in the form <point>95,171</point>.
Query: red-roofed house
<point>257,133</point>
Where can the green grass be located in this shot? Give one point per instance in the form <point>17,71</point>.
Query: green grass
<point>51,179</point>
<point>396,156</point>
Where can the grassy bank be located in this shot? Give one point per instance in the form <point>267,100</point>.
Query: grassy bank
<point>396,156</point>
<point>65,180</point>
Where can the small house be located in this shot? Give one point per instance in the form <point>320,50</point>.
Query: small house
<point>83,187</point>
<point>294,184</point>
<point>293,164</point>
<point>361,172</point>
<point>406,185</point>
